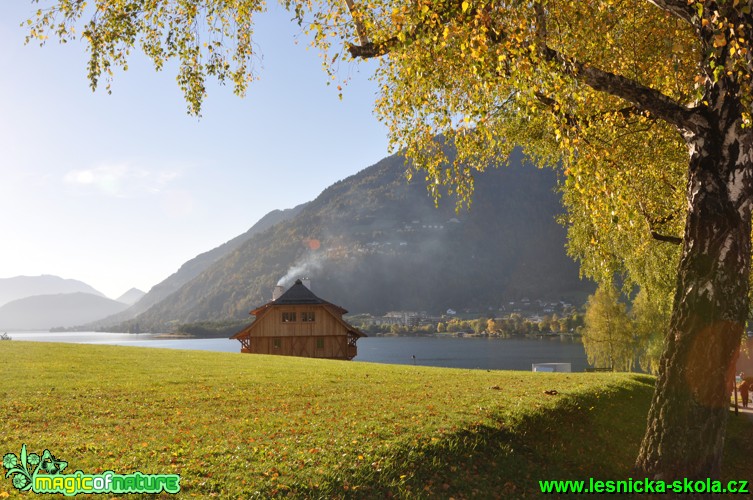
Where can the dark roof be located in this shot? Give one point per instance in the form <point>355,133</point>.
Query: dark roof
<point>299,294</point>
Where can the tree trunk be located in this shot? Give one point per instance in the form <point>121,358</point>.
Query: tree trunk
<point>688,415</point>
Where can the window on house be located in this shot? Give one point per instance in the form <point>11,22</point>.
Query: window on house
<point>277,343</point>
<point>320,343</point>
<point>288,317</point>
<point>307,317</point>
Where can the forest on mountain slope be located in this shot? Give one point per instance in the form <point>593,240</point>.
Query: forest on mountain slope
<point>374,242</point>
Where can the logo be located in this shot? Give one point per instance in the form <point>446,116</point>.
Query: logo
<point>44,474</point>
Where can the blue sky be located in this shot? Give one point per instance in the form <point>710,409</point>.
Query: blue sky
<point>119,190</point>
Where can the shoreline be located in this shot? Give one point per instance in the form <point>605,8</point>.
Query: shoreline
<point>187,336</point>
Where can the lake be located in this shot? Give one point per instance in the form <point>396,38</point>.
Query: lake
<point>450,352</point>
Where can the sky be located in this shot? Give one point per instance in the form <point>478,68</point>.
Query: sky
<point>119,190</point>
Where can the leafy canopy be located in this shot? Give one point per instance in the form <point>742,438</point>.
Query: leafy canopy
<point>595,87</point>
<point>208,38</point>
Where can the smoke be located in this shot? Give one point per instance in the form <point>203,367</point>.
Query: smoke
<point>304,267</point>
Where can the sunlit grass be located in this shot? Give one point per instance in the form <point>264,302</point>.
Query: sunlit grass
<point>235,426</point>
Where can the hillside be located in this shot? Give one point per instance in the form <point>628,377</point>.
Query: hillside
<point>20,287</point>
<point>374,243</point>
<point>42,312</point>
<point>193,268</point>
<point>131,296</point>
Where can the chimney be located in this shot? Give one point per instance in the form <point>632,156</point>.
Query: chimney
<point>278,290</point>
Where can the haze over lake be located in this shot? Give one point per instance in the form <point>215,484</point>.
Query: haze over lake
<point>449,352</point>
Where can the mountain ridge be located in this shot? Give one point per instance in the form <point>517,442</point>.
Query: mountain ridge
<point>373,242</point>
<point>42,312</point>
<point>131,296</point>
<point>19,287</point>
<point>192,268</point>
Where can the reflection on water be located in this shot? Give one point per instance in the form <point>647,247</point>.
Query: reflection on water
<point>131,339</point>
<point>484,353</point>
<point>451,352</point>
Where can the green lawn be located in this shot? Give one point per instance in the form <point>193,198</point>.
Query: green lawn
<point>238,426</point>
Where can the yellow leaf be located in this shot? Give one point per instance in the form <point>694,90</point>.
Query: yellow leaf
<point>465,6</point>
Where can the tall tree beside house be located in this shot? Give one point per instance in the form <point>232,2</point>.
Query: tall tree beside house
<point>608,334</point>
<point>647,105</point>
<point>650,318</point>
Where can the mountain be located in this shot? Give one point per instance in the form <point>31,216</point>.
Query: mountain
<point>131,296</point>
<point>375,243</point>
<point>42,312</point>
<point>26,286</point>
<point>193,268</point>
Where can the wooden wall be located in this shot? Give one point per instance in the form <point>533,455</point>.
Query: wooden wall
<point>325,337</point>
<point>271,324</point>
<point>328,347</point>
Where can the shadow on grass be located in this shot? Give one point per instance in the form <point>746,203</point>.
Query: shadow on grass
<point>584,435</point>
<point>738,449</point>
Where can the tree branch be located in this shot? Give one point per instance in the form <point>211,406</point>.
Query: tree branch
<point>445,9</point>
<point>363,37</point>
<point>646,98</point>
<point>370,49</point>
<point>654,222</point>
<point>678,8</point>
<point>669,239</point>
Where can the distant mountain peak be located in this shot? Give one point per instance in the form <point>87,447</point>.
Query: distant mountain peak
<point>20,287</point>
<point>131,296</point>
<point>194,267</point>
<point>41,312</point>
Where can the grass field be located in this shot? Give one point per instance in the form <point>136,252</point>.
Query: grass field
<point>242,426</point>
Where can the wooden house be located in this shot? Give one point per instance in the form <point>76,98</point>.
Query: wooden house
<point>298,323</point>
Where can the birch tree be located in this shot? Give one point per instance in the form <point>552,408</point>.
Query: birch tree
<point>645,104</point>
<point>608,334</point>
<point>650,318</point>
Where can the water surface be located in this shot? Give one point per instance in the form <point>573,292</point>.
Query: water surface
<point>450,352</point>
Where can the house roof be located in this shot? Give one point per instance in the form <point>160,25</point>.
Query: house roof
<point>298,294</point>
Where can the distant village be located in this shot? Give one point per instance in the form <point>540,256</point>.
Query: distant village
<point>524,317</point>
<point>296,322</point>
